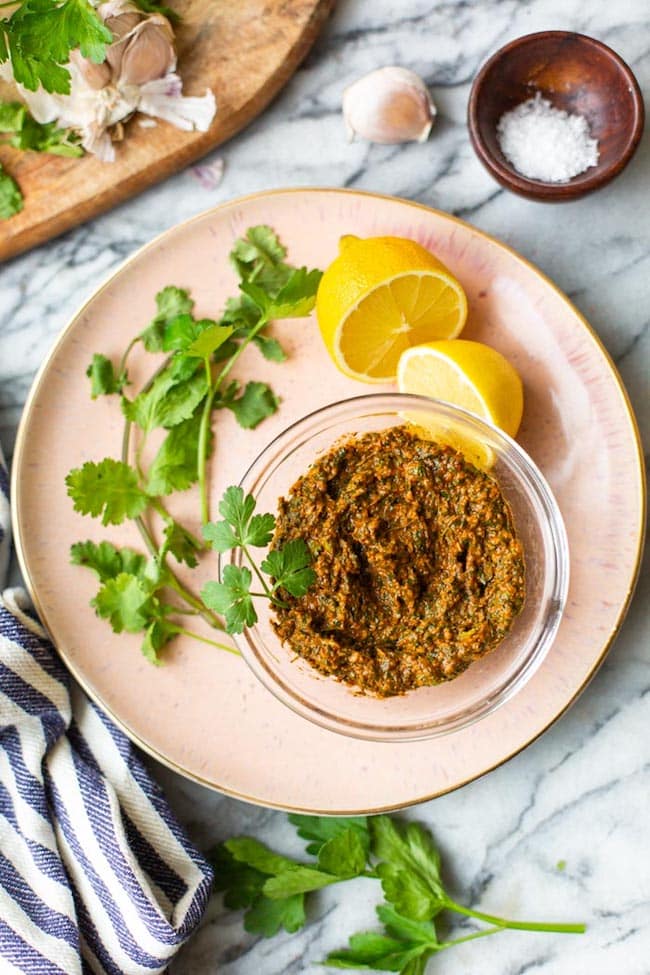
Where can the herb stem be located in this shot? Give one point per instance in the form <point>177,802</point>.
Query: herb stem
<point>204,436</point>
<point>472,937</point>
<point>516,925</point>
<point>207,614</point>
<point>158,506</point>
<point>134,341</point>
<point>204,639</point>
<point>267,592</point>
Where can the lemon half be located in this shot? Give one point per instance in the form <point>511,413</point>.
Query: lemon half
<point>380,296</point>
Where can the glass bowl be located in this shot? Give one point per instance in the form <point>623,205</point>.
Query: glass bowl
<point>487,683</point>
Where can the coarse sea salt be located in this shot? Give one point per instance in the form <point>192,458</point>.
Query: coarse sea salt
<point>546,143</point>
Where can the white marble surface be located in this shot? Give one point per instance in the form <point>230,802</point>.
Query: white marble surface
<point>582,793</point>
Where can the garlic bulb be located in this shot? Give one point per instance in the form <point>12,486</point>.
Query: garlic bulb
<point>389,105</point>
<point>138,75</point>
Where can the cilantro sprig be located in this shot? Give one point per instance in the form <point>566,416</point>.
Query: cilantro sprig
<point>287,568</point>
<point>402,856</point>
<point>178,404</point>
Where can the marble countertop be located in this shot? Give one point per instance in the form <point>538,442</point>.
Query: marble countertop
<point>581,794</point>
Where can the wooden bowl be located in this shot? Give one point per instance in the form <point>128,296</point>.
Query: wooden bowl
<point>575,73</point>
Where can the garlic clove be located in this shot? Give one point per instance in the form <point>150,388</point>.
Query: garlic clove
<point>98,76</point>
<point>389,105</point>
<point>148,55</point>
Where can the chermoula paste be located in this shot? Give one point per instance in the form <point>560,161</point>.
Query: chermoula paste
<point>418,568</point>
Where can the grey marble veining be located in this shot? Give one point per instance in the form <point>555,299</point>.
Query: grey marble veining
<point>581,794</point>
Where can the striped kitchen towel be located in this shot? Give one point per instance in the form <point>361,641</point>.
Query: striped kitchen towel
<point>96,875</point>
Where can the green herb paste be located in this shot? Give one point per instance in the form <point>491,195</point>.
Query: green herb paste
<point>418,568</point>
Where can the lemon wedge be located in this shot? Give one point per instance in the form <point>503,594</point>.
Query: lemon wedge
<point>468,374</point>
<point>380,296</point>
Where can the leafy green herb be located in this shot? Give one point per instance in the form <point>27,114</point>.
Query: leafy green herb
<point>154,7</point>
<point>11,199</point>
<point>103,379</point>
<point>403,856</point>
<point>27,133</point>
<point>106,560</point>
<point>40,34</point>
<point>181,398</point>
<point>109,488</point>
<point>253,405</point>
<point>288,567</point>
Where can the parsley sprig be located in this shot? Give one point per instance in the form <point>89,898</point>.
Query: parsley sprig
<point>40,34</point>
<point>180,400</point>
<point>403,857</point>
<point>22,131</point>
<point>287,568</point>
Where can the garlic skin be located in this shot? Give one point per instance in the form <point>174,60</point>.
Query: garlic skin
<point>138,75</point>
<point>389,105</point>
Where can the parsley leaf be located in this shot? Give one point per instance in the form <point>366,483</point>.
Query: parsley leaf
<point>410,873</point>
<point>27,133</point>
<point>40,35</point>
<point>242,886</point>
<point>106,560</point>
<point>405,948</point>
<point>11,199</point>
<point>254,405</point>
<point>320,829</point>
<point>104,381</point>
<point>344,855</point>
<point>232,598</point>
<point>290,567</point>
<point>108,488</point>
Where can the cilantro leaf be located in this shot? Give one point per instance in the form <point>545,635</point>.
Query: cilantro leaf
<point>125,601</point>
<point>290,567</point>
<point>104,381</point>
<point>11,199</point>
<point>171,399</point>
<point>108,488</point>
<point>245,528</point>
<point>171,302</point>
<point>270,348</point>
<point>254,405</point>
<point>319,829</point>
<point>211,338</point>
<point>259,255</point>
<point>181,544</point>
<point>157,634</point>
<point>174,468</point>
<point>106,560</point>
<point>295,299</point>
<point>232,598</point>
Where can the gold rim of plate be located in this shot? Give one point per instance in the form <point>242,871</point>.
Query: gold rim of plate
<point>41,376</point>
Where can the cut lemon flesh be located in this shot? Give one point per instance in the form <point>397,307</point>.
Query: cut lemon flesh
<point>381,296</point>
<point>468,374</point>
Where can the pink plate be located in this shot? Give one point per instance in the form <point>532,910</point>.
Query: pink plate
<point>203,713</point>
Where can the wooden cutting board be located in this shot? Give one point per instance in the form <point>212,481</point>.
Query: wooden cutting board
<point>244,50</point>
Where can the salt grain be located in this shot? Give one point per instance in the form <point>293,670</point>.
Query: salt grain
<point>546,143</point>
